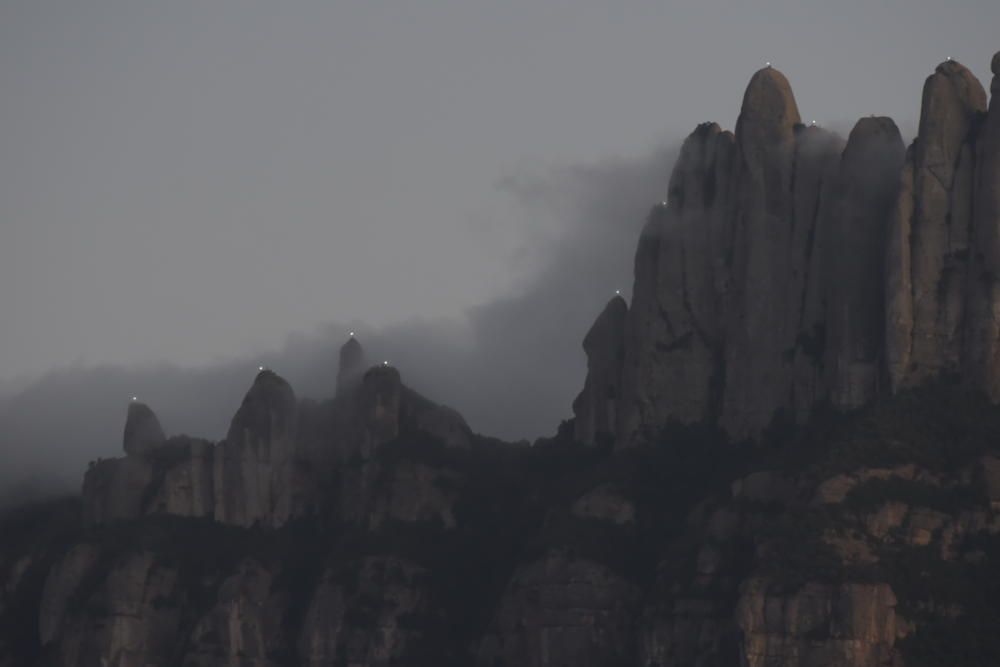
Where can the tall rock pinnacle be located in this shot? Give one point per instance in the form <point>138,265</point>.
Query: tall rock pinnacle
<point>254,464</point>
<point>983,330</point>
<point>596,406</point>
<point>787,269</point>
<point>866,191</point>
<point>930,232</point>
<point>352,365</point>
<point>142,429</point>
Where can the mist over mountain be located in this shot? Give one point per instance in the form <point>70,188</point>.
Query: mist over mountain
<point>511,366</point>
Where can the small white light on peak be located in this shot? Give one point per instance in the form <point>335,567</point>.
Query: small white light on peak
<point>813,123</point>
<point>385,363</point>
<point>663,203</point>
<point>948,58</point>
<point>260,368</point>
<point>768,63</point>
<point>352,334</point>
<point>618,292</point>
<point>135,398</point>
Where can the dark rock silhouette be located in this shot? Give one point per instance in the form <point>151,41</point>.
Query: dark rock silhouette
<point>352,366</point>
<point>604,344</point>
<point>143,432</point>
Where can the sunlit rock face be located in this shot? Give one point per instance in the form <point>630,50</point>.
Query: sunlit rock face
<point>788,268</point>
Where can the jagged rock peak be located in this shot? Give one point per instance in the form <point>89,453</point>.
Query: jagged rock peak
<point>352,364</point>
<point>142,429</point>
<point>596,406</point>
<point>268,408</point>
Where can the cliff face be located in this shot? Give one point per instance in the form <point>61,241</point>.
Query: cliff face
<point>867,540</point>
<point>789,269</point>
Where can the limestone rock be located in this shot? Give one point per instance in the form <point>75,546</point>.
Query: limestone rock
<point>673,333</point>
<point>143,432</point>
<point>787,269</point>
<point>254,466</point>
<point>186,486</point>
<point>983,321</point>
<point>244,627</point>
<point>927,270</point>
<point>130,619</point>
<point>60,585</point>
<point>849,624</point>
<point>595,407</point>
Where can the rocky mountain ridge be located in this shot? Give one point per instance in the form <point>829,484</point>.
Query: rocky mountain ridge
<point>789,269</point>
<point>859,525</point>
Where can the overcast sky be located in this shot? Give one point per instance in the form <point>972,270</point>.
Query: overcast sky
<point>186,181</point>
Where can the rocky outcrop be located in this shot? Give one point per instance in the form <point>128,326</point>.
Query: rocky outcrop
<point>278,458</point>
<point>184,479</point>
<point>143,432</point>
<point>244,626</point>
<point>562,611</point>
<point>254,466</point>
<point>604,344</point>
<point>866,193</point>
<point>788,269</point>
<point>982,359</point>
<point>127,620</point>
<point>927,271</point>
<point>818,624</point>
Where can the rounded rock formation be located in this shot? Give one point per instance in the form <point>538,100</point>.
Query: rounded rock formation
<point>143,432</point>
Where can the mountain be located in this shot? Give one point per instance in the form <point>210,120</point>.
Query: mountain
<point>788,269</point>
<point>785,453</point>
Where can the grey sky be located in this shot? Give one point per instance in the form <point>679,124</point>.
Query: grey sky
<point>185,181</point>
